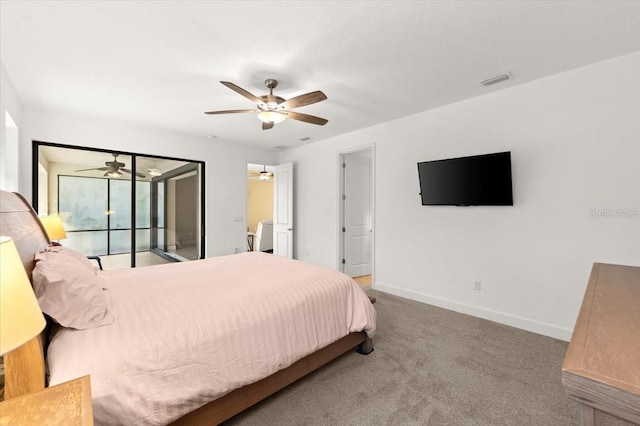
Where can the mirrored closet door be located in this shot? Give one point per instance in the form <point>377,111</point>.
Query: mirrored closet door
<point>110,202</point>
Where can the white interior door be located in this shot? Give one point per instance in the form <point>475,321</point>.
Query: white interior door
<point>357,215</point>
<point>283,210</point>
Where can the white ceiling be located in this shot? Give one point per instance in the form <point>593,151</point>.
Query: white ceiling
<point>159,63</point>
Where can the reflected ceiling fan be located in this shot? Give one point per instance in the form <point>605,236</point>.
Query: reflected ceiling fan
<point>262,175</point>
<point>113,168</point>
<point>273,109</point>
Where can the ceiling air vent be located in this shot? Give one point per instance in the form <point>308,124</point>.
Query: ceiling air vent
<point>496,79</point>
<point>281,147</point>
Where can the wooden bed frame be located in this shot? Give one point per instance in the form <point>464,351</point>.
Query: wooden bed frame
<point>24,367</point>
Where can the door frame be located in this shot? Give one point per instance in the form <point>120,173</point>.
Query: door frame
<point>340,219</point>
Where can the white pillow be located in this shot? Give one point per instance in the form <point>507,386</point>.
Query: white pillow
<point>69,291</point>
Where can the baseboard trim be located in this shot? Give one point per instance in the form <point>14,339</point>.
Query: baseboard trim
<point>511,320</point>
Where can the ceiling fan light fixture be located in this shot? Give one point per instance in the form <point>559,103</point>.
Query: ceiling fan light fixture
<point>264,174</point>
<point>114,174</point>
<point>154,172</point>
<point>271,117</point>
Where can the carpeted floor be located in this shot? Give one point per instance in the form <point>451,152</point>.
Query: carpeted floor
<point>430,367</point>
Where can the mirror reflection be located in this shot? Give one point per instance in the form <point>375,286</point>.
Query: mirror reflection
<point>110,202</point>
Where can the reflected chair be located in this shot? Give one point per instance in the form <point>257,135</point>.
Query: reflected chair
<point>263,241</point>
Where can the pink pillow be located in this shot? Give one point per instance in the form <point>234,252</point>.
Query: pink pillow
<point>70,292</point>
<point>66,251</point>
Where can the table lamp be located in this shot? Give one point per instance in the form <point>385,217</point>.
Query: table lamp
<point>20,322</point>
<point>54,228</point>
<point>20,316</point>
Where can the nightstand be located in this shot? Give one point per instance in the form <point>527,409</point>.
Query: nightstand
<point>67,404</point>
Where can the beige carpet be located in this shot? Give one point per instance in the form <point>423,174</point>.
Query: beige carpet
<point>430,367</point>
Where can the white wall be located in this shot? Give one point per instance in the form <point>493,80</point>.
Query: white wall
<point>9,133</point>
<point>225,164</point>
<point>575,143</point>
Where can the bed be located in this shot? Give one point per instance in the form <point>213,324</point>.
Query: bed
<point>194,342</point>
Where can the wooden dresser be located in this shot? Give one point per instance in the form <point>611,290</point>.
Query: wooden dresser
<point>601,369</point>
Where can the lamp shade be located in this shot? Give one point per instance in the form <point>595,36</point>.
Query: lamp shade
<point>54,228</point>
<point>20,316</point>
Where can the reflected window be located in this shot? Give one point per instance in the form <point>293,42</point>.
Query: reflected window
<point>82,203</point>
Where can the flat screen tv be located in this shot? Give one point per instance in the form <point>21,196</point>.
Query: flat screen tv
<point>480,180</point>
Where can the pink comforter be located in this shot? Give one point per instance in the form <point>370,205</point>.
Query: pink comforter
<point>187,333</point>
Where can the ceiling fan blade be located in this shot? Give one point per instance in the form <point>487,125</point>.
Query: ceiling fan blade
<point>140,175</point>
<point>95,168</point>
<point>306,118</point>
<point>253,98</point>
<point>303,100</point>
<point>267,125</point>
<point>230,111</point>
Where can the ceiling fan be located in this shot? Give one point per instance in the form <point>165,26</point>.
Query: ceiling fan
<point>113,168</point>
<point>262,174</point>
<point>273,109</point>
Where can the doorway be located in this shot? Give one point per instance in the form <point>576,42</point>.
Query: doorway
<point>260,179</point>
<point>175,200</point>
<point>270,209</point>
<point>356,214</point>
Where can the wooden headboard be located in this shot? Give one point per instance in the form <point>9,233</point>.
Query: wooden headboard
<point>19,221</point>
<point>24,366</point>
